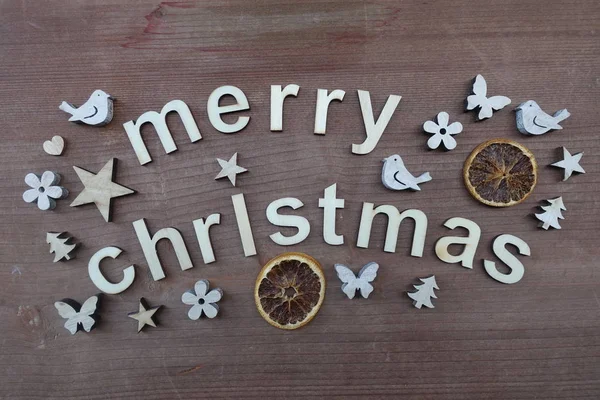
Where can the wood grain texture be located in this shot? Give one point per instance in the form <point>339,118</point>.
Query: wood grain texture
<point>537,339</point>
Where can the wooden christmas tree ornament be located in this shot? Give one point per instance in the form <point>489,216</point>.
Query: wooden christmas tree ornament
<point>230,169</point>
<point>55,146</point>
<point>79,317</point>
<point>552,213</point>
<point>60,245</point>
<point>395,176</point>
<point>570,163</point>
<point>357,283</point>
<point>424,293</point>
<point>44,190</point>
<point>202,300</point>
<point>144,315</point>
<point>100,188</point>
<point>96,111</point>
<point>532,120</point>
<point>486,105</point>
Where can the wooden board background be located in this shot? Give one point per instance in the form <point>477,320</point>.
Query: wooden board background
<point>537,339</point>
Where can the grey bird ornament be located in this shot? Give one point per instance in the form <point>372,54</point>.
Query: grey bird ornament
<point>395,176</point>
<point>96,111</point>
<point>532,120</point>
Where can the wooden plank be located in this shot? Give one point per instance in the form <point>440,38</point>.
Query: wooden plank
<point>538,338</point>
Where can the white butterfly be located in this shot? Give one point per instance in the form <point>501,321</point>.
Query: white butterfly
<point>84,315</point>
<point>352,283</point>
<point>479,99</point>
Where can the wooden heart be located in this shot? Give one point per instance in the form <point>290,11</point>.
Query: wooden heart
<point>55,146</point>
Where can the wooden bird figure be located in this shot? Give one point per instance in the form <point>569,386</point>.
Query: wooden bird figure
<point>97,110</point>
<point>532,120</point>
<point>395,176</point>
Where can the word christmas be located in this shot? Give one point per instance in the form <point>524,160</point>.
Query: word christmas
<point>329,203</point>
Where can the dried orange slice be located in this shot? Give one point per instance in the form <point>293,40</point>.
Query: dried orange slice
<point>500,173</point>
<point>289,290</point>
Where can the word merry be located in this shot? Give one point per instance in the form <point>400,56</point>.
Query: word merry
<point>374,128</point>
<point>329,203</point>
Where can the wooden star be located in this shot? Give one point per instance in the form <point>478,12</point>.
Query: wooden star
<point>100,188</point>
<point>144,315</point>
<point>570,163</point>
<point>230,169</point>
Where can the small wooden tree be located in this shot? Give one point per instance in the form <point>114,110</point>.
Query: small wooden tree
<point>424,293</point>
<point>551,214</point>
<point>61,247</point>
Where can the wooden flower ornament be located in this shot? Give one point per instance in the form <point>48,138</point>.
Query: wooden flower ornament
<point>44,190</point>
<point>442,132</point>
<point>202,301</point>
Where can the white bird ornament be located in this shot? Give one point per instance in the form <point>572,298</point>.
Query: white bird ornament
<point>532,120</point>
<point>96,111</point>
<point>395,176</point>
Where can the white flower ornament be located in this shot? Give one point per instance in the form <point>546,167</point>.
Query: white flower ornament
<point>44,190</point>
<point>442,132</point>
<point>202,301</point>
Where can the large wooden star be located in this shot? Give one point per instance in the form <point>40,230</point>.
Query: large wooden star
<point>100,188</point>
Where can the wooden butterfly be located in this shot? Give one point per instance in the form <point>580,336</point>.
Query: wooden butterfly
<point>486,104</point>
<point>77,316</point>
<point>352,284</point>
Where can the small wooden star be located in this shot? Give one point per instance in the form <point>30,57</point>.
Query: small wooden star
<point>144,315</point>
<point>100,188</point>
<point>230,169</point>
<point>570,163</point>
